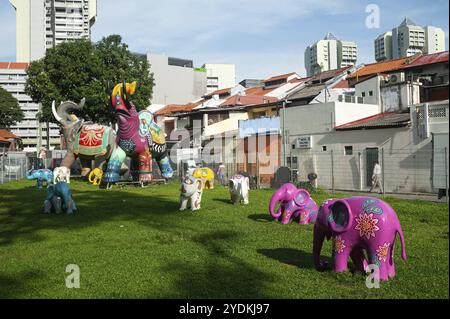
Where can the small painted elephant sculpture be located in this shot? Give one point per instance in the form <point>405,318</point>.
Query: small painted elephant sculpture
<point>207,176</point>
<point>239,187</point>
<point>61,174</point>
<point>191,193</point>
<point>358,224</point>
<point>95,176</point>
<point>294,203</point>
<point>59,198</point>
<point>40,175</point>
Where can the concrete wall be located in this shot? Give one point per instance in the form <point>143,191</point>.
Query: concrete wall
<point>175,84</point>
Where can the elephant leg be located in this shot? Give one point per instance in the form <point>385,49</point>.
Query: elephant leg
<point>68,160</point>
<point>341,260</point>
<point>47,207</point>
<point>359,259</point>
<point>86,166</point>
<point>164,166</point>
<point>145,166</point>
<point>382,265</point>
<point>112,174</point>
<point>390,263</point>
<point>183,202</point>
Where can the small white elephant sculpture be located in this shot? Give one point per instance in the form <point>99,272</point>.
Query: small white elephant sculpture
<point>239,186</point>
<point>61,174</point>
<point>191,193</point>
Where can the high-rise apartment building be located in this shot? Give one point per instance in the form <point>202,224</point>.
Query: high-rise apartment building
<point>32,133</point>
<point>329,53</point>
<point>219,76</point>
<point>42,24</point>
<point>383,46</point>
<point>408,39</point>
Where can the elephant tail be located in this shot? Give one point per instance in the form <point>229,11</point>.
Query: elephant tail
<point>402,242</point>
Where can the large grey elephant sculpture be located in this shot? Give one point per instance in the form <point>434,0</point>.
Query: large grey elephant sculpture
<point>88,141</point>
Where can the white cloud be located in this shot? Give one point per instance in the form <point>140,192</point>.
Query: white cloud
<point>201,29</point>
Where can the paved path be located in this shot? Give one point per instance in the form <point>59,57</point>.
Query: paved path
<point>415,196</point>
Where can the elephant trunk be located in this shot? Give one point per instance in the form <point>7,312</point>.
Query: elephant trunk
<point>276,197</point>
<point>318,238</point>
<point>30,175</point>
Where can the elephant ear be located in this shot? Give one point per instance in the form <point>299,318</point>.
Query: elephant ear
<point>340,218</point>
<point>301,197</point>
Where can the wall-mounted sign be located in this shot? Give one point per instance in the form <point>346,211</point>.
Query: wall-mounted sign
<point>303,142</point>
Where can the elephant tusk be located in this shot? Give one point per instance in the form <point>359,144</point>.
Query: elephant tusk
<point>55,114</point>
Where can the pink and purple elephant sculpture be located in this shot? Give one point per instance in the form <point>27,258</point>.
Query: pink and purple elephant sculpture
<point>358,224</point>
<point>295,203</point>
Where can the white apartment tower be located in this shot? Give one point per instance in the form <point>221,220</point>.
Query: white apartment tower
<point>328,54</point>
<point>42,24</point>
<point>219,76</point>
<point>33,133</point>
<point>408,39</point>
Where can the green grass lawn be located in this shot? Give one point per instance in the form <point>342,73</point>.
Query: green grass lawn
<point>134,243</point>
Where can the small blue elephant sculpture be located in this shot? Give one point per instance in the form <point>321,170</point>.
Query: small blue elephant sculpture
<point>59,198</point>
<point>40,175</point>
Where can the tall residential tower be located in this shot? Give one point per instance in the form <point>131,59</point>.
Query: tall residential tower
<point>408,39</point>
<point>41,24</point>
<point>329,54</point>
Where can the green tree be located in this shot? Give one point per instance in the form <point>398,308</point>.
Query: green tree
<point>10,112</point>
<point>81,69</point>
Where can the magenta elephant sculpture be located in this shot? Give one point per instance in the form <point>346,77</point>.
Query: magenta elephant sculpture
<point>294,203</point>
<point>357,225</point>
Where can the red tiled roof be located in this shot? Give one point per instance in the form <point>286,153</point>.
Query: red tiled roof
<point>14,65</point>
<point>382,120</point>
<point>178,108</point>
<point>5,134</point>
<point>221,91</point>
<point>343,84</point>
<point>279,77</point>
<point>380,67</point>
<point>258,91</point>
<point>242,100</point>
<point>428,59</point>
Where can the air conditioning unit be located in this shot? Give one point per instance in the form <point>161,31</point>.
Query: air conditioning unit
<point>396,78</point>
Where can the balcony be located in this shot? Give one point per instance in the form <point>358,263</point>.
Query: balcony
<point>263,126</point>
<point>433,121</point>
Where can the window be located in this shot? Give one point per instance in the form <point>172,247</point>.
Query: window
<point>292,162</point>
<point>348,150</point>
<point>324,148</point>
<point>363,94</point>
<point>370,93</point>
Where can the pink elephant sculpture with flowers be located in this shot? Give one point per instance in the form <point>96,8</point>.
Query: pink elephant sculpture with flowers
<point>294,203</point>
<point>358,224</point>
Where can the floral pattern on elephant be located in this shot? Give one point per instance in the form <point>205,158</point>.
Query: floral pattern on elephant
<point>339,244</point>
<point>383,251</point>
<point>369,206</point>
<point>367,225</point>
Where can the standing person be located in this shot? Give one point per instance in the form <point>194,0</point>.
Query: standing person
<point>221,173</point>
<point>376,178</point>
<point>43,157</point>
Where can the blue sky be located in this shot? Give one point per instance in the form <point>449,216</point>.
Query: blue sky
<point>262,37</point>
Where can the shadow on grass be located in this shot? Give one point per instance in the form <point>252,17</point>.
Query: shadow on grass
<point>262,218</point>
<point>23,217</point>
<point>222,276</point>
<point>223,200</point>
<point>13,286</point>
<point>293,257</point>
